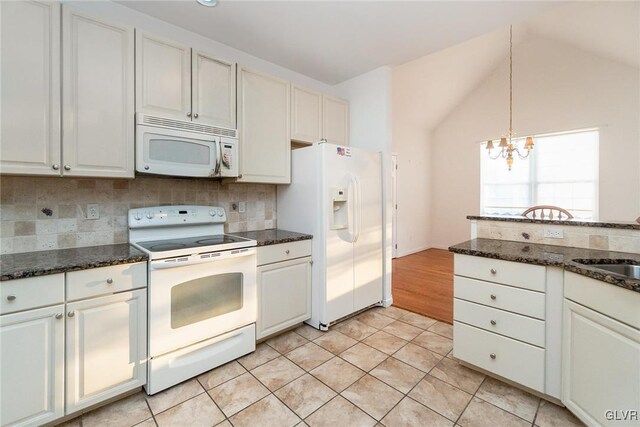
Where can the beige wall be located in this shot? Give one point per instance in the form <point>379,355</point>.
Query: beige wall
<point>556,88</point>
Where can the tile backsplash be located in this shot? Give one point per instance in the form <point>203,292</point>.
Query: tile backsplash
<point>40,213</point>
<point>612,239</point>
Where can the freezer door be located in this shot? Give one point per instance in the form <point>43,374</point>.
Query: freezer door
<point>368,286</point>
<point>339,228</point>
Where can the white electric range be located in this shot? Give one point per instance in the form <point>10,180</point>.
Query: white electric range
<point>201,294</point>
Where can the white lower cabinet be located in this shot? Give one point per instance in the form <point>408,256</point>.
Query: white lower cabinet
<point>284,287</point>
<point>601,355</point>
<point>32,366</point>
<point>106,347</point>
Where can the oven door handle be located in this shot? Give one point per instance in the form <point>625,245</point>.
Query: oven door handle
<point>198,259</point>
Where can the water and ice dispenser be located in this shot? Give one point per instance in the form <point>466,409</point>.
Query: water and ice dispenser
<point>340,212</point>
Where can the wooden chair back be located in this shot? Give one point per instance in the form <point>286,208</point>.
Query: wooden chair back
<point>547,212</point>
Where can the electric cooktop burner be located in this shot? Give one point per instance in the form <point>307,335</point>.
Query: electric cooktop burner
<point>190,242</point>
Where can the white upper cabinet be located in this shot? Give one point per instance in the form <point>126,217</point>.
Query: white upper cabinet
<point>335,120</point>
<point>315,117</point>
<point>30,87</point>
<point>265,143</point>
<point>163,77</point>
<point>98,97</point>
<point>213,90</point>
<point>306,115</point>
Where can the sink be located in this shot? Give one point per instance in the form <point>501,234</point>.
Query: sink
<point>629,270</point>
<point>623,267</point>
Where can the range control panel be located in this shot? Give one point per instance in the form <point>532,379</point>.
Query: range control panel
<point>159,216</point>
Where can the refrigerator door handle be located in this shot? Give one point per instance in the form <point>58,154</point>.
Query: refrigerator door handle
<point>358,208</point>
<point>352,209</point>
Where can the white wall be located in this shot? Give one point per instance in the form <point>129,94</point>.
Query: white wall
<point>369,97</point>
<point>111,11</point>
<point>556,88</point>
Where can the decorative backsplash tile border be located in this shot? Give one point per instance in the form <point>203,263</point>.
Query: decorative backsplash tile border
<point>40,213</point>
<point>612,239</point>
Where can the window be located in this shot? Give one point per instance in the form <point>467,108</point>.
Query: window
<point>562,170</point>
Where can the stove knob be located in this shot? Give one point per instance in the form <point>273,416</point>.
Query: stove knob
<point>220,212</point>
<point>137,216</point>
<point>212,212</point>
<point>149,215</point>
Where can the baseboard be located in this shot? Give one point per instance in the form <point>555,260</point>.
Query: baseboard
<point>413,251</point>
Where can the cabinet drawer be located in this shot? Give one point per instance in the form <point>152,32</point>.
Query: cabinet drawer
<point>32,292</point>
<point>503,356</point>
<point>508,298</point>
<point>500,322</point>
<point>516,274</point>
<point>283,252</point>
<point>106,280</point>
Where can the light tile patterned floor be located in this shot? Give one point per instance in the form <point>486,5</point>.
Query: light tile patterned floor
<point>384,366</point>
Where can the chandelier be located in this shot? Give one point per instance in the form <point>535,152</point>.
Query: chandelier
<point>508,145</point>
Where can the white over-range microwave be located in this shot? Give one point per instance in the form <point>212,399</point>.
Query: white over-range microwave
<point>180,148</point>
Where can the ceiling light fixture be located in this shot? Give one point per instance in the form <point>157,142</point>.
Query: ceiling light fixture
<point>508,145</point>
<point>209,3</point>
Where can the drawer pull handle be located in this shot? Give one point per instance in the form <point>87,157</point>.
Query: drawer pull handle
<point>11,298</point>
<point>494,271</point>
<point>109,280</point>
<point>493,297</point>
<point>287,251</point>
<point>71,313</point>
<point>493,322</point>
<point>492,355</point>
<point>59,316</point>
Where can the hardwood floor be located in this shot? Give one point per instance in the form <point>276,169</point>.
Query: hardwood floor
<point>423,283</point>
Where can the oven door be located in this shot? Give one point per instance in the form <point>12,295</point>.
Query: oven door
<point>175,152</point>
<point>199,297</point>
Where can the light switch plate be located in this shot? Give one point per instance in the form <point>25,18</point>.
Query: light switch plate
<point>243,207</point>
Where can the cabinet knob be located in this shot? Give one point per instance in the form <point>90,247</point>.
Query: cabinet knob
<point>55,166</point>
<point>287,251</point>
<point>195,115</point>
<point>11,298</point>
<point>189,114</point>
<point>71,313</point>
<point>493,271</point>
<point>493,322</point>
<point>493,296</point>
<point>492,355</point>
<point>59,316</point>
<point>109,280</point>
<point>67,167</point>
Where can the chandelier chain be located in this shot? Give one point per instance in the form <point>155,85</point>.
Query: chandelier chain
<point>510,82</point>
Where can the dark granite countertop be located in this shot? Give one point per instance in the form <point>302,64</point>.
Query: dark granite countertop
<point>30,264</point>
<point>574,222</point>
<point>273,236</point>
<point>556,256</point>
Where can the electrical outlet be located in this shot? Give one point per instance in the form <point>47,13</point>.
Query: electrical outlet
<point>93,211</point>
<point>243,207</point>
<point>553,233</point>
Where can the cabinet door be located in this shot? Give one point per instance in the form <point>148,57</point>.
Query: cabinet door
<point>600,367</point>
<point>163,77</point>
<point>98,97</point>
<point>265,144</point>
<point>306,115</point>
<point>213,91</point>
<point>32,366</point>
<point>335,120</point>
<point>30,87</point>
<point>284,295</point>
<point>106,347</point>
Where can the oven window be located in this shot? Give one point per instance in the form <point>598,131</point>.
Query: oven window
<point>205,298</point>
<point>179,151</point>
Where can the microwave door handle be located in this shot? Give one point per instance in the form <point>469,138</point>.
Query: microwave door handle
<point>218,158</point>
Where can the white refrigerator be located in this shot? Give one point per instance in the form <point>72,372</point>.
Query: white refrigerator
<point>336,195</point>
